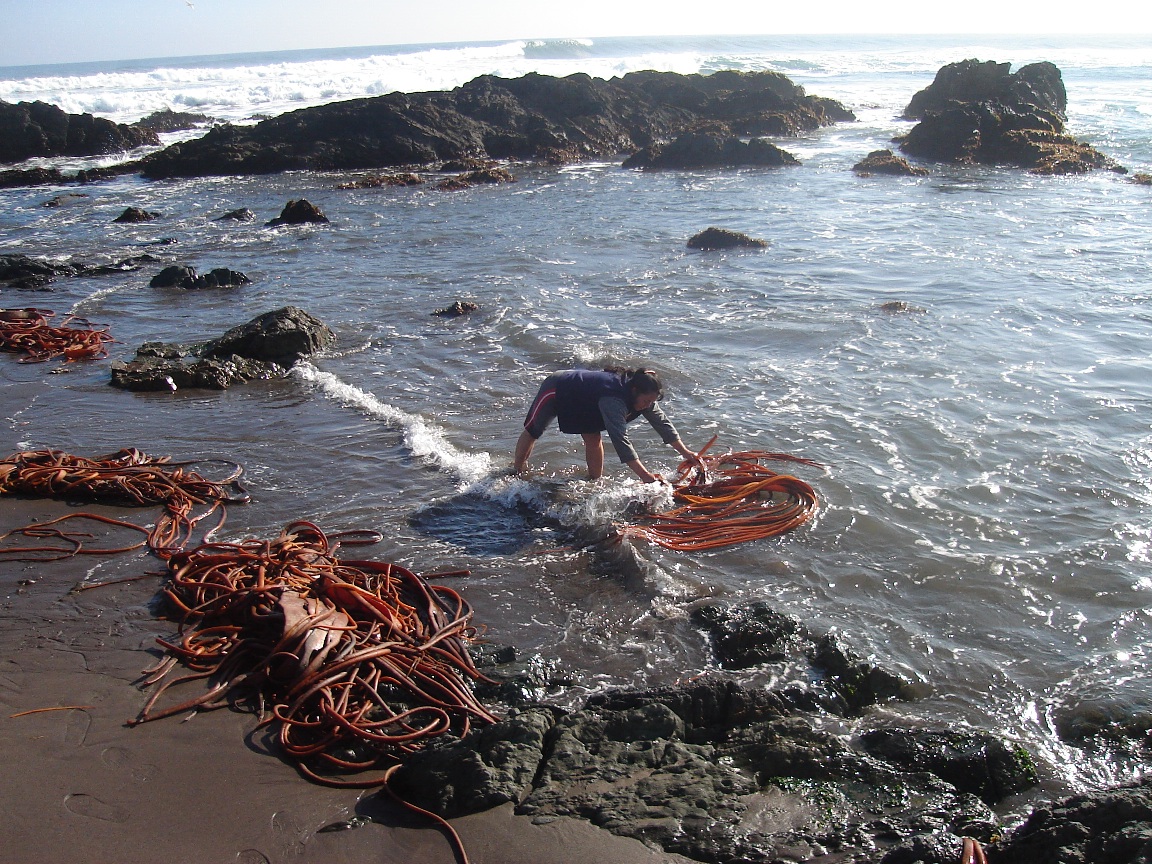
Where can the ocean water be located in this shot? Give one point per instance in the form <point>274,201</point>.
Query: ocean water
<point>986,498</point>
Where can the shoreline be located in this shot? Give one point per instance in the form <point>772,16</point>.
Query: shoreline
<point>91,789</point>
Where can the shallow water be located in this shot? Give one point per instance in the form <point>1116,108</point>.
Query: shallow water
<point>986,501</point>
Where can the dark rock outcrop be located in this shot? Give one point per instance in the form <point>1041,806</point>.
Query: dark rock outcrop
<point>184,276</point>
<point>16,177</point>
<point>135,214</point>
<point>754,634</point>
<point>22,271</point>
<point>535,117</point>
<point>29,129</point>
<point>973,762</point>
<point>376,181</point>
<point>721,238</point>
<point>241,214</point>
<point>888,163</point>
<point>167,120</point>
<point>711,770</point>
<point>710,149</point>
<point>299,212</point>
<point>1110,827</point>
<point>460,307</point>
<point>977,113</point>
<point>283,336</point>
<point>1038,84</point>
<point>262,349</point>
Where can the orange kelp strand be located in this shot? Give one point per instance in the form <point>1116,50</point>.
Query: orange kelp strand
<point>28,332</point>
<point>362,662</point>
<point>732,498</point>
<point>126,477</point>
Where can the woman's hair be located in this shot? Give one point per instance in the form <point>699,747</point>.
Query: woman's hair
<point>639,380</point>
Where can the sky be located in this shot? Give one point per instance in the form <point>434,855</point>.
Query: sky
<point>67,31</point>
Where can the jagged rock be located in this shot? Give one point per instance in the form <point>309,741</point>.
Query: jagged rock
<point>887,162</point>
<point>691,770</point>
<point>895,307</point>
<point>260,350</point>
<point>721,238</point>
<point>710,149</point>
<point>1010,120</point>
<point>299,212</point>
<point>535,117</point>
<point>16,177</point>
<point>1040,85</point>
<point>460,307</point>
<point>184,276</point>
<point>378,180</point>
<point>973,762</point>
<point>135,214</point>
<point>155,373</point>
<point>1109,827</point>
<point>754,634</point>
<point>242,214</point>
<point>29,129</point>
<point>282,336</point>
<point>167,120</point>
<point>21,271</point>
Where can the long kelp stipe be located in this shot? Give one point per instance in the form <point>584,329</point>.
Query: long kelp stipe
<point>728,499</point>
<point>356,663</point>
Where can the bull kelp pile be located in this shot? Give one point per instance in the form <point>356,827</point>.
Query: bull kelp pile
<point>354,663</point>
<point>729,498</point>
<point>127,477</point>
<point>31,333</point>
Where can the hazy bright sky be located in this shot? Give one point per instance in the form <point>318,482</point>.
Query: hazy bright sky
<point>63,31</point>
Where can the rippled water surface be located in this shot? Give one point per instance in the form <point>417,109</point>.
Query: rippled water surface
<point>986,518</point>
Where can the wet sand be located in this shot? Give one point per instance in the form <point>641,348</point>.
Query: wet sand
<point>81,786</point>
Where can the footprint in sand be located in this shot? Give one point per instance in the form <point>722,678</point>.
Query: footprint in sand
<point>93,808</point>
<point>252,856</point>
<point>122,759</point>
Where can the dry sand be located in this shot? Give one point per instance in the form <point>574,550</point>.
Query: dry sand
<point>81,786</point>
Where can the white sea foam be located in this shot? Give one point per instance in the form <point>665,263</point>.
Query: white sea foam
<point>423,438</point>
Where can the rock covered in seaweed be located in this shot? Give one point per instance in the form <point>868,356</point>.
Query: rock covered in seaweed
<point>887,162</point>
<point>980,113</point>
<point>691,769</point>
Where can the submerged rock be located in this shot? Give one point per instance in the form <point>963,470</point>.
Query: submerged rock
<point>23,271</point>
<point>887,162</point>
<point>721,238</point>
<point>460,307</point>
<point>135,214</point>
<point>299,212</point>
<point>710,149</point>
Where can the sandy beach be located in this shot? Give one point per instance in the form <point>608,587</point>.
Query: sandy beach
<point>82,786</point>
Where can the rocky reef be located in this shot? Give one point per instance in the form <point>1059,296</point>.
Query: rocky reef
<point>29,129</point>
<point>981,112</point>
<point>534,117</point>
